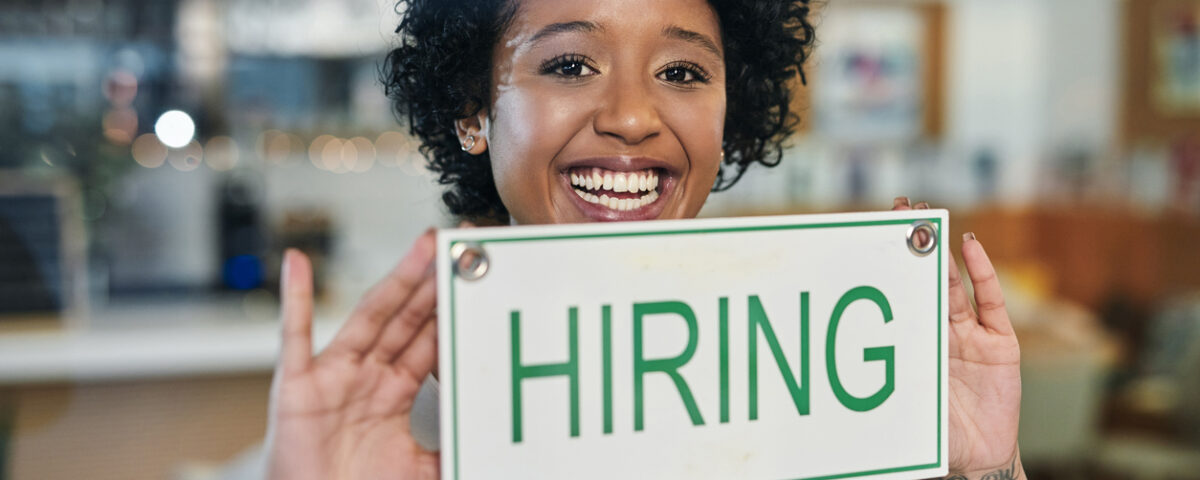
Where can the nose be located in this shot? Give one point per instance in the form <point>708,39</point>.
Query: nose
<point>629,114</point>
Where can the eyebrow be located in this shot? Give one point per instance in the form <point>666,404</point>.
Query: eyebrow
<point>566,27</point>
<point>699,39</point>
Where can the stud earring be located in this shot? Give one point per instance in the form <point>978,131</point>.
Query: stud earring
<point>469,144</point>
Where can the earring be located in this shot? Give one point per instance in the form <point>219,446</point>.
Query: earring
<point>722,155</point>
<point>469,144</point>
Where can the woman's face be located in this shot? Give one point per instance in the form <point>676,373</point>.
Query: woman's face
<point>606,110</point>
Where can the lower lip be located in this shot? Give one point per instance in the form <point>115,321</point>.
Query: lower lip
<point>598,213</point>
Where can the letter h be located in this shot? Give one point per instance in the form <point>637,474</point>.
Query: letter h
<point>521,372</point>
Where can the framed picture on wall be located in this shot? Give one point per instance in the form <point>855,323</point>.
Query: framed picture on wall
<point>1176,46</point>
<point>878,74</point>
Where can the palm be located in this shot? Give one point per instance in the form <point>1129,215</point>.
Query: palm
<point>357,413</point>
<point>345,413</point>
<point>985,392</point>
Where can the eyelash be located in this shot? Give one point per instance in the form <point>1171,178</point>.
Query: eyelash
<point>698,73</point>
<point>554,66</point>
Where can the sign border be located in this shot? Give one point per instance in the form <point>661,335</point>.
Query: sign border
<point>733,229</point>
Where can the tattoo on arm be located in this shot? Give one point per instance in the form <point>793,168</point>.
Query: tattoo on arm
<point>1003,474</point>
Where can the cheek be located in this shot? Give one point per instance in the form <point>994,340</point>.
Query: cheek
<point>530,127</point>
<point>700,125</point>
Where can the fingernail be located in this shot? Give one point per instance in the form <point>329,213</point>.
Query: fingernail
<point>900,202</point>
<point>921,206</point>
<point>968,236</point>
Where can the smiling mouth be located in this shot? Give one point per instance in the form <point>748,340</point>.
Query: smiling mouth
<point>617,191</point>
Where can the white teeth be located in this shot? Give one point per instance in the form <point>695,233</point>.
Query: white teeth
<point>619,183</point>
<point>596,180</point>
<point>619,204</point>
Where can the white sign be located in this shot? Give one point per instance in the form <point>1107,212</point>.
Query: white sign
<point>798,347</point>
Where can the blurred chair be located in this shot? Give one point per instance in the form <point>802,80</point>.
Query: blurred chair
<point>1169,385</point>
<point>1065,361</point>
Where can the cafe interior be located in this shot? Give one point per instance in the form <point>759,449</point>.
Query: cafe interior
<point>158,156</point>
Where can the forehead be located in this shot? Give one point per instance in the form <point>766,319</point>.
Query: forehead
<point>619,17</point>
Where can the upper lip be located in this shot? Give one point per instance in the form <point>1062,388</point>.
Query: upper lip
<point>619,163</point>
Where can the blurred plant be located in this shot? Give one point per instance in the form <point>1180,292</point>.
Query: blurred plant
<point>60,144</point>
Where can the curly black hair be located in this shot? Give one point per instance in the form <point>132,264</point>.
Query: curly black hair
<point>440,72</point>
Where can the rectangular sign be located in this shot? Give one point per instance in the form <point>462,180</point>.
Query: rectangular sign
<point>795,347</point>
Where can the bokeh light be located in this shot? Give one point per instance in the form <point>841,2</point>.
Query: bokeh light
<point>187,158</point>
<point>275,147</point>
<point>175,129</point>
<point>282,147</point>
<point>391,148</point>
<point>316,150</point>
<point>148,151</point>
<point>120,88</point>
<point>331,155</point>
<point>221,153</point>
<point>120,125</point>
<point>349,158</point>
<point>365,151</point>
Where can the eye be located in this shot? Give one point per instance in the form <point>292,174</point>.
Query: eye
<point>568,66</point>
<point>684,73</point>
<point>678,75</point>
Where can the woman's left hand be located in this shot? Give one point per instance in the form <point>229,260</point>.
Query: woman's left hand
<point>985,373</point>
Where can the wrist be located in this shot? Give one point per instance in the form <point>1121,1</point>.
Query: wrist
<point>1014,470</point>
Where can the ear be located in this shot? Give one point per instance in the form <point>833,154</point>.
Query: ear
<point>472,132</point>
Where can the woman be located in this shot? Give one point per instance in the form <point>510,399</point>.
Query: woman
<point>550,111</point>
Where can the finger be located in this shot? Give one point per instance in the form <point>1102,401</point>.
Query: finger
<point>385,298</point>
<point>989,300</point>
<point>900,203</point>
<point>420,356</point>
<point>466,224</point>
<point>922,235</point>
<point>408,320</point>
<point>960,302</point>
<point>297,306</point>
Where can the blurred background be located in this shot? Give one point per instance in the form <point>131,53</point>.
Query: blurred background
<point>156,156</point>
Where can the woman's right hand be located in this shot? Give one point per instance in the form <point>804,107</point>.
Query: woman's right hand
<point>344,414</point>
